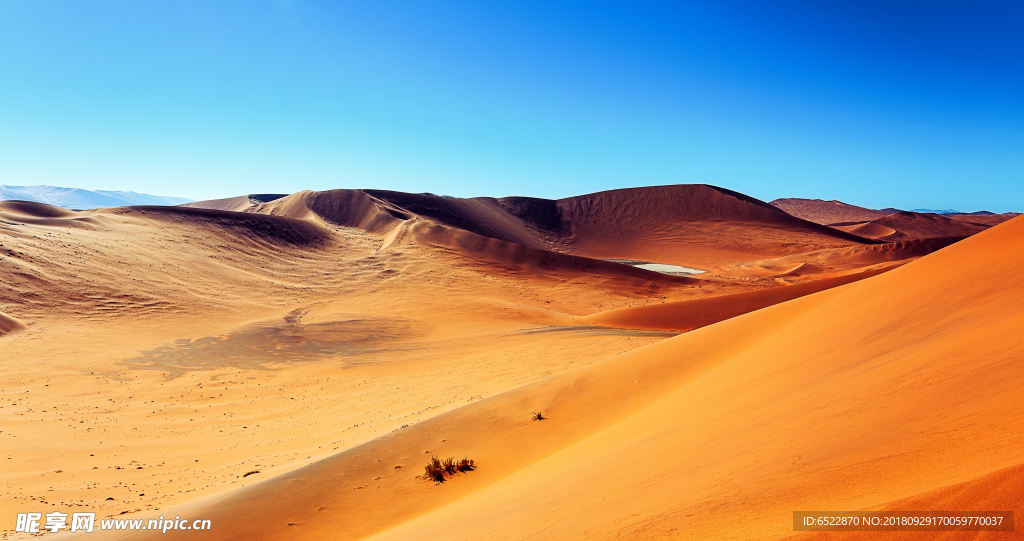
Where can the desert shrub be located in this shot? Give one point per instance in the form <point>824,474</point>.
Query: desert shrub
<point>434,471</point>
<point>537,416</point>
<point>247,474</point>
<point>439,471</point>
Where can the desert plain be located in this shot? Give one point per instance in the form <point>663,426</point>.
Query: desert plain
<point>286,365</point>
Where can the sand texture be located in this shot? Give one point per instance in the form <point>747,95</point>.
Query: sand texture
<point>334,341</point>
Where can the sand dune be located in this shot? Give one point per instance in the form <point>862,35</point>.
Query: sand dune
<point>912,226</point>
<point>984,219</point>
<point>844,399</point>
<point>1000,490</point>
<point>828,212</point>
<point>694,314</point>
<point>242,203</point>
<point>833,262</point>
<point>869,230</point>
<point>696,225</point>
<point>169,303</point>
<point>321,339</point>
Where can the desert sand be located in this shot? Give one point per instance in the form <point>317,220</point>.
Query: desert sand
<point>332,342</point>
<point>828,212</point>
<point>903,226</point>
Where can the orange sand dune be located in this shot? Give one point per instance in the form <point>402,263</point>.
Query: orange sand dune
<point>985,219</point>
<point>694,314</point>
<point>828,212</point>
<point>174,349</point>
<point>1002,490</point>
<point>875,391</point>
<point>868,230</point>
<point>835,261</point>
<point>911,226</point>
<point>514,257</point>
<point>695,225</point>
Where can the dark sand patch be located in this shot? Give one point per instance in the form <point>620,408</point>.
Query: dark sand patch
<point>284,341</point>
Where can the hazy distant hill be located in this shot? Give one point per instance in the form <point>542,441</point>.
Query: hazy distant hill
<point>74,198</point>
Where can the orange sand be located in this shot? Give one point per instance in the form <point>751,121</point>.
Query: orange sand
<point>326,338</point>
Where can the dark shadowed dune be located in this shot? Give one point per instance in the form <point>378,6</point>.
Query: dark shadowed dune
<point>903,226</point>
<point>684,224</point>
<point>829,212</point>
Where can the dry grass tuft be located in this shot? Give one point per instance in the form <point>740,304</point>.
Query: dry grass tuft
<point>439,471</point>
<point>434,471</point>
<point>537,416</point>
<point>466,464</point>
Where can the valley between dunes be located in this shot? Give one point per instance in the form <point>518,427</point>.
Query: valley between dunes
<point>333,342</point>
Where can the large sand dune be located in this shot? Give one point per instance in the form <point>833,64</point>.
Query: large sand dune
<point>695,225</point>
<point>323,338</point>
<point>873,392</point>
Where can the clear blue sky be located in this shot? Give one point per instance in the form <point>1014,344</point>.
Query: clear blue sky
<point>877,103</point>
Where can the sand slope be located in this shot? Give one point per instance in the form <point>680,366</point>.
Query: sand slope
<point>1000,490</point>
<point>834,261</point>
<point>903,226</point>
<point>8,324</point>
<point>694,314</point>
<point>177,348</point>
<point>151,338</point>
<point>864,394</point>
<point>868,393</point>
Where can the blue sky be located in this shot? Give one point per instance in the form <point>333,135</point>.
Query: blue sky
<point>905,104</point>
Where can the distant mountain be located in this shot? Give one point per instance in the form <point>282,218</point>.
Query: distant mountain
<point>934,211</point>
<point>75,198</point>
<point>957,212</point>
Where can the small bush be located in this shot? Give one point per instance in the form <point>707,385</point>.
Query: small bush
<point>439,471</point>
<point>537,416</point>
<point>434,471</point>
<point>247,474</point>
